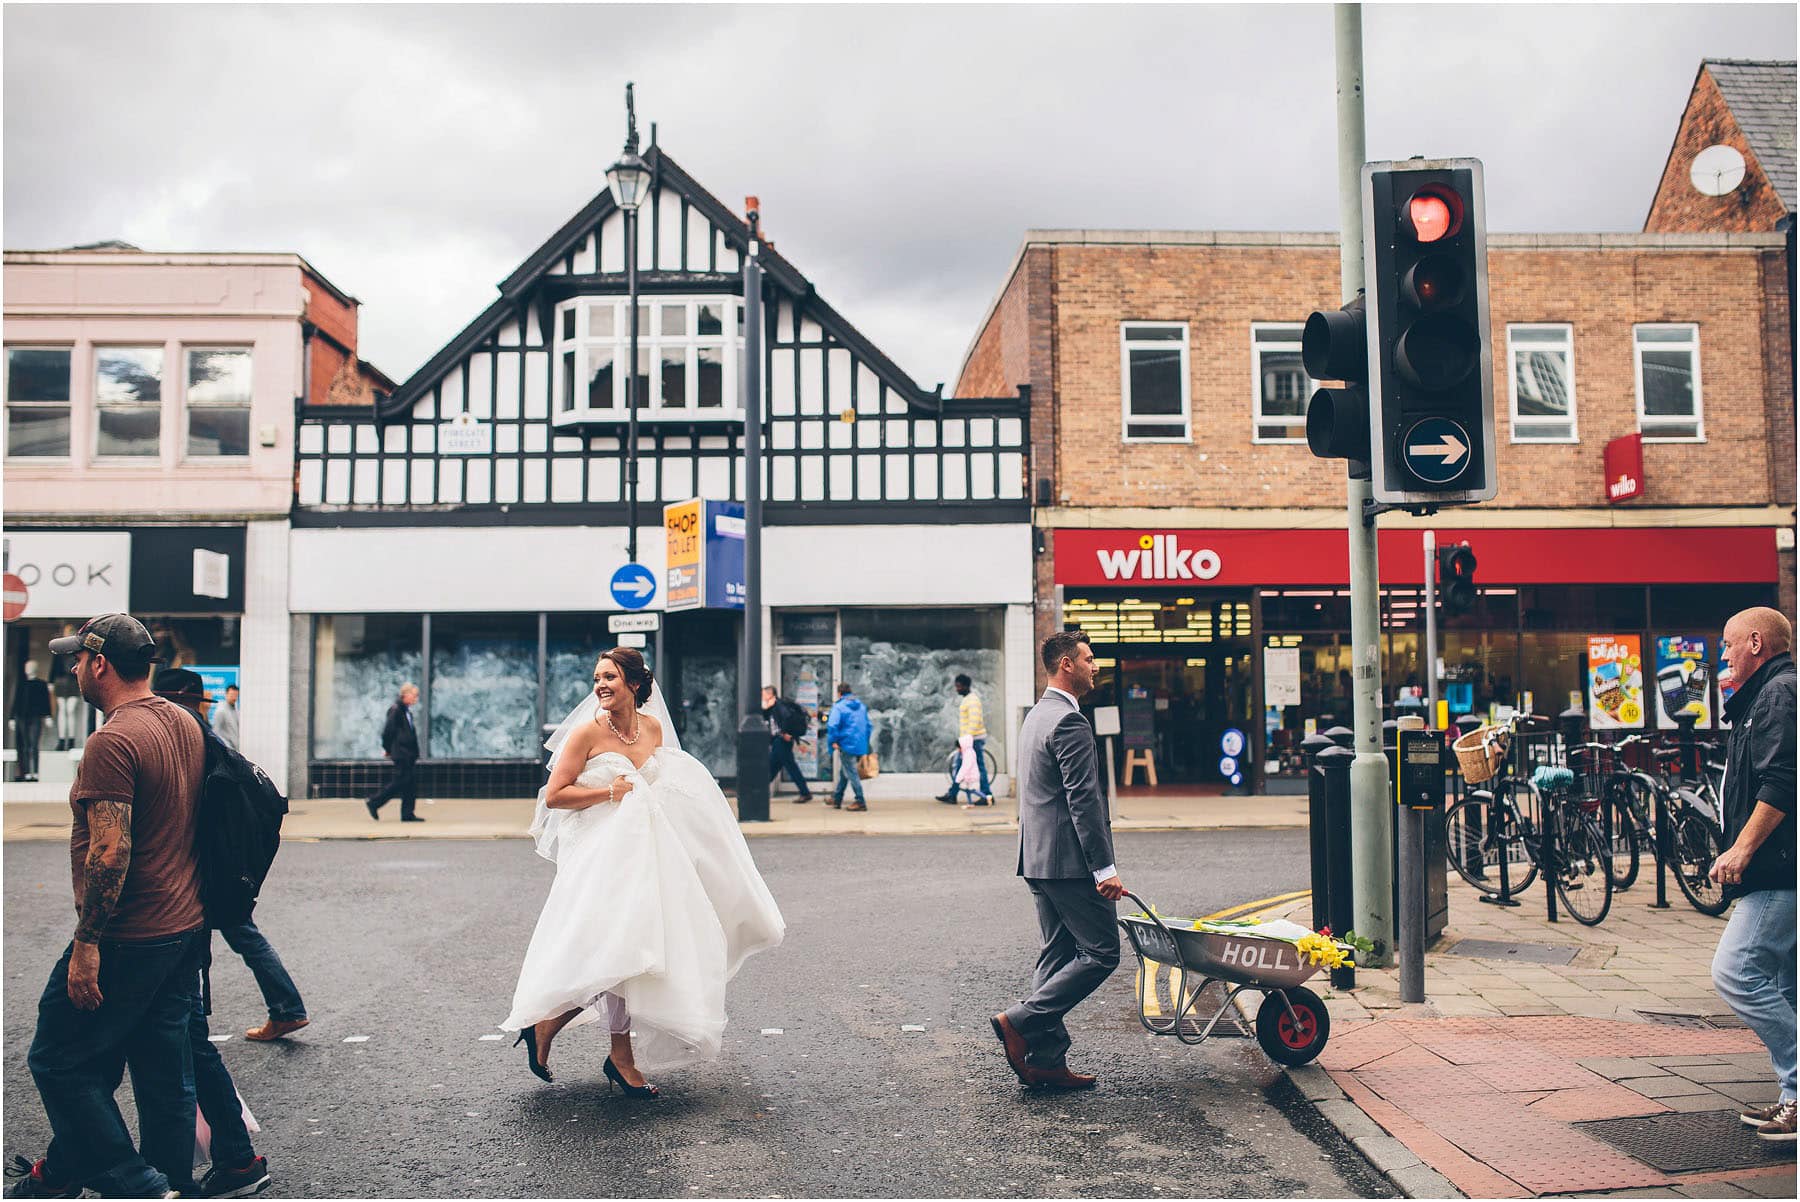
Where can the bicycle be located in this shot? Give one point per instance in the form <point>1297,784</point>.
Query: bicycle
<point>1580,846</point>
<point>1692,808</point>
<point>1600,781</point>
<point>1490,825</point>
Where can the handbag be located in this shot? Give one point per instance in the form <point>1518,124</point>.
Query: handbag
<point>868,766</point>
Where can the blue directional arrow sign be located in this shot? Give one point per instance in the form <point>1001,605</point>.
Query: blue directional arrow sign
<point>1437,450</point>
<point>634,586</point>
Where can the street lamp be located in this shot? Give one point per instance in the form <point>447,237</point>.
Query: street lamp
<point>629,180</point>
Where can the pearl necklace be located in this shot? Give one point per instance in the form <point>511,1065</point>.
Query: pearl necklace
<point>637,730</point>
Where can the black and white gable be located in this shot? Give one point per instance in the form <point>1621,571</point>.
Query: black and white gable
<point>526,406</point>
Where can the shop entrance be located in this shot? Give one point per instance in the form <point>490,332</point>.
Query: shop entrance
<point>807,679</point>
<point>1179,705</point>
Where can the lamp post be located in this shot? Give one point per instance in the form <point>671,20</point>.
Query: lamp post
<point>629,179</point>
<point>753,728</point>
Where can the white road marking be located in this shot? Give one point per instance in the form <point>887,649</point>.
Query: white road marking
<point>911,1027</point>
<point>486,1038</point>
<point>772,1031</point>
<point>218,1039</point>
<point>356,1039</point>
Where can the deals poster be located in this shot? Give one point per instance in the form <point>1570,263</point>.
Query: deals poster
<point>1615,682</point>
<point>1682,674</point>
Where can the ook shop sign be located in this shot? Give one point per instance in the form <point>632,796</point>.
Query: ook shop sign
<point>70,574</point>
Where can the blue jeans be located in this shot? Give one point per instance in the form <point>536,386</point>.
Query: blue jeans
<point>1753,970</point>
<point>279,994</point>
<point>78,1058</point>
<point>847,776</point>
<point>987,789</point>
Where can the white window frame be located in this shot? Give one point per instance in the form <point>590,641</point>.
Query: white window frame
<point>1126,346</point>
<point>1257,418</point>
<point>1692,345</point>
<point>651,342</point>
<point>99,406</point>
<point>188,405</point>
<point>1567,346</point>
<point>7,403</point>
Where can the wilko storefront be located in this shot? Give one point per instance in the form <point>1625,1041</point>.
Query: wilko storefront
<point>1203,633</point>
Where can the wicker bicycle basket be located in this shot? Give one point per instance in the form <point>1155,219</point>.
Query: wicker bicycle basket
<point>1481,752</point>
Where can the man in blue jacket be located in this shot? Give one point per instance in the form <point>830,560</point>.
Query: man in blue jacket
<point>847,731</point>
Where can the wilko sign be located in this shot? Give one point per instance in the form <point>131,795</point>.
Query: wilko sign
<point>1158,557</point>
<point>1624,468</point>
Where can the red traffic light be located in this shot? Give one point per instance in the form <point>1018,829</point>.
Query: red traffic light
<point>1433,214</point>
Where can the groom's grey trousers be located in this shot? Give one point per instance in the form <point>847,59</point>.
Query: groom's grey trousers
<point>1081,949</point>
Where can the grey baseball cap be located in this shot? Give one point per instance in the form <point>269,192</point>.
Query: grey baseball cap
<point>118,637</point>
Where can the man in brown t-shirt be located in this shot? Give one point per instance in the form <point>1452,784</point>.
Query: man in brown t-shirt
<point>124,988</point>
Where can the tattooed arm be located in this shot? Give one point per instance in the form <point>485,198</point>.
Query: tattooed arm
<point>108,860</point>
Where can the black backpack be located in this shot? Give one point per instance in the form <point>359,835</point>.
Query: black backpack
<point>791,718</point>
<point>237,831</point>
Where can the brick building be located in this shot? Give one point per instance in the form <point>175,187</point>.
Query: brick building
<point>1180,518</point>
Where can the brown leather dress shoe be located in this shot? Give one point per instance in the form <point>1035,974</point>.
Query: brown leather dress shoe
<point>1063,1077</point>
<point>1014,1044</point>
<point>275,1028</point>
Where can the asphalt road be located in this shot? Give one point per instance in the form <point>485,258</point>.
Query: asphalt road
<point>416,946</point>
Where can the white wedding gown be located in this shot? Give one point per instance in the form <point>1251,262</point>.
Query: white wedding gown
<point>656,901</point>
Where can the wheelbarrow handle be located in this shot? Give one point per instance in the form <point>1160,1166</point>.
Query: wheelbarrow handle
<point>1157,919</point>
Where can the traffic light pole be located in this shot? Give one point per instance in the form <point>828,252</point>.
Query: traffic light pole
<point>1431,643</point>
<point>1372,824</point>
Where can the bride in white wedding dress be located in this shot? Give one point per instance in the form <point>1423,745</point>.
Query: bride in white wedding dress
<point>656,902</point>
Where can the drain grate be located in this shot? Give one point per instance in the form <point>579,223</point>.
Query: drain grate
<point>1686,1143</point>
<point>1697,1022</point>
<point>1524,953</point>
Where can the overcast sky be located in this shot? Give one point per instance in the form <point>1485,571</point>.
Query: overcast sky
<point>416,154</point>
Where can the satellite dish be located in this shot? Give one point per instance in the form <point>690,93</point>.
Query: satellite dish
<point>1717,171</point>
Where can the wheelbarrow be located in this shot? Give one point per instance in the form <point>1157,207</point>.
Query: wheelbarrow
<point>1291,1023</point>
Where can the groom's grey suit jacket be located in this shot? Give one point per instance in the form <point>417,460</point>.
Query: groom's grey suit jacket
<point>1065,828</point>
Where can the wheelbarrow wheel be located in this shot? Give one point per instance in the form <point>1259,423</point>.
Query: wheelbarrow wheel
<point>1296,1038</point>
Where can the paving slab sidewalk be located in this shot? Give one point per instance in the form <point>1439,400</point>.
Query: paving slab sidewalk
<point>345,818</point>
<point>1480,1089</point>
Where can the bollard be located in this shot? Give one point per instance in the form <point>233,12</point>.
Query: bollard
<point>1333,764</point>
<point>1310,746</point>
<point>1343,736</point>
<point>1572,723</point>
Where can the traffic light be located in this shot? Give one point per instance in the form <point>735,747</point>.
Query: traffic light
<point>1335,346</point>
<point>1456,578</point>
<point>1430,363</point>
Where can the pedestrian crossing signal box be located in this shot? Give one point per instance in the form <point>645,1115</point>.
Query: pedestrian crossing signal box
<point>1419,784</point>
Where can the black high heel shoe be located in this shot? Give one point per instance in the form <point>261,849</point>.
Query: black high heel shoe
<point>631,1091</point>
<point>528,1037</point>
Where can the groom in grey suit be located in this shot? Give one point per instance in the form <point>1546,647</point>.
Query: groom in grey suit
<point>1066,858</point>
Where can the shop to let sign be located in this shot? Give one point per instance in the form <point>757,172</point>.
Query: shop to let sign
<point>1615,682</point>
<point>705,562</point>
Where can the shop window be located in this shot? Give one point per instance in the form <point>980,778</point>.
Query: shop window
<point>128,401</point>
<point>1668,381</point>
<point>1280,387</point>
<point>1702,609</point>
<point>1306,609</point>
<point>1157,617</point>
<point>218,401</point>
<point>1154,370</point>
<point>37,402</point>
<point>484,685</point>
<point>1494,609</point>
<point>1590,608</point>
<point>572,644</point>
<point>359,664</point>
<point>1553,668</point>
<point>903,662</point>
<point>1326,697</point>
<point>686,365</point>
<point>1542,362</point>
<point>701,686</point>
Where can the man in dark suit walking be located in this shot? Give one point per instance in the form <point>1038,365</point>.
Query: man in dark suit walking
<point>400,742</point>
<point>1066,858</point>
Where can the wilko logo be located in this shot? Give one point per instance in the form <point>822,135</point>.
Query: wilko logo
<point>1158,557</point>
<point>1624,486</point>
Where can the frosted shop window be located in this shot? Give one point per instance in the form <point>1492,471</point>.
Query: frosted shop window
<point>1542,363</point>
<point>37,402</point>
<point>484,687</point>
<point>686,367</point>
<point>1279,383</point>
<point>1667,358</point>
<point>1153,369</point>
<point>903,664</point>
<point>359,664</point>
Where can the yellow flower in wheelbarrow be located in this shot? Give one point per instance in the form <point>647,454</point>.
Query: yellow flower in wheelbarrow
<point>1322,950</point>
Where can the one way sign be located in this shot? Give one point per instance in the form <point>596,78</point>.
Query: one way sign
<point>1437,450</point>
<point>633,586</point>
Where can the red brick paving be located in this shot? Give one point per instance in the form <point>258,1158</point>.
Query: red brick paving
<point>1490,1102</point>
